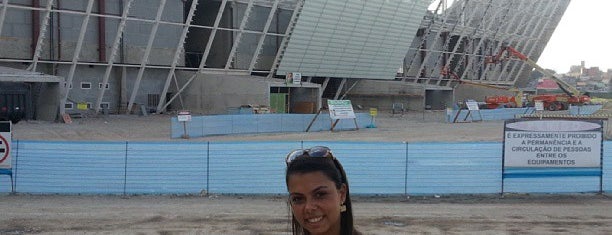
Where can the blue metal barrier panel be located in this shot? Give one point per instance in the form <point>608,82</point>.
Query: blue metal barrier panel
<point>70,167</point>
<point>485,114</point>
<point>248,167</point>
<point>454,168</point>
<point>164,168</point>
<point>373,168</point>
<point>262,123</point>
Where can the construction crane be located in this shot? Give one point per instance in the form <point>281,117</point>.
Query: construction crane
<point>552,102</point>
<point>492,102</point>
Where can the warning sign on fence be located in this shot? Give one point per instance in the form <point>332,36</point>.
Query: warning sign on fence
<point>5,145</point>
<point>552,143</point>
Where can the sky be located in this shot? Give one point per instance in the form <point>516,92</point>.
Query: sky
<point>584,33</point>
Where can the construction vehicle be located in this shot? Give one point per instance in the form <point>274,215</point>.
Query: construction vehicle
<point>493,102</point>
<point>552,102</point>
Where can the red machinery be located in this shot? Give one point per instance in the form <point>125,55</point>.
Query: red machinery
<point>552,102</point>
<point>493,102</point>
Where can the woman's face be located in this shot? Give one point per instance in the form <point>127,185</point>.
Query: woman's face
<point>315,202</point>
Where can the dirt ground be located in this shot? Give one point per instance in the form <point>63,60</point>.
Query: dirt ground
<point>225,214</point>
<point>511,214</point>
<point>411,127</point>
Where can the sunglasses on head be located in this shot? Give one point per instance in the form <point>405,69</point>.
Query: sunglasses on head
<point>317,151</point>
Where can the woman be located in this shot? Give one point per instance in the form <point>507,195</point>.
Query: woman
<point>318,193</point>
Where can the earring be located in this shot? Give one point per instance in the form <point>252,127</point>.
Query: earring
<point>342,207</point>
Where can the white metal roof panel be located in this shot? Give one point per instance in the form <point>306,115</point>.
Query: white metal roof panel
<point>352,38</point>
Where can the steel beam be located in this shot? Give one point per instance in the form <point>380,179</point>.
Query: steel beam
<point>179,50</point>
<point>526,21</point>
<point>245,19</point>
<point>470,60</point>
<point>522,43</point>
<point>520,9</point>
<point>540,35</point>
<point>462,34</point>
<point>3,14</point>
<point>77,51</point>
<point>340,88</point>
<point>180,90</point>
<point>213,33</point>
<point>114,50</point>
<point>286,36</point>
<point>145,57</point>
<point>41,36</point>
<point>263,36</point>
<point>434,45</point>
<point>423,43</point>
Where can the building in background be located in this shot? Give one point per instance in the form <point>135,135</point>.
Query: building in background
<point>210,56</point>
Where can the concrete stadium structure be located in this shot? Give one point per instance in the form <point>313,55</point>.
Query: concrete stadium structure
<point>210,56</point>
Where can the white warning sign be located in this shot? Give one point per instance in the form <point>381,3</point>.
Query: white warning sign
<point>552,143</point>
<point>340,109</point>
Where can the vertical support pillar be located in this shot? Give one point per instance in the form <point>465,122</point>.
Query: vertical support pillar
<point>322,90</point>
<point>35,25</point>
<point>101,31</point>
<point>340,88</point>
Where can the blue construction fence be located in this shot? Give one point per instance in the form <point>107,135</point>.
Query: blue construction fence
<point>373,168</point>
<point>509,113</point>
<point>584,109</point>
<point>262,123</point>
<point>211,125</point>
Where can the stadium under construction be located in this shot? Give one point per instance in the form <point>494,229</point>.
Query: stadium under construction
<point>210,56</point>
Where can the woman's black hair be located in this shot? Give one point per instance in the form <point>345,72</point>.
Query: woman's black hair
<point>331,168</point>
